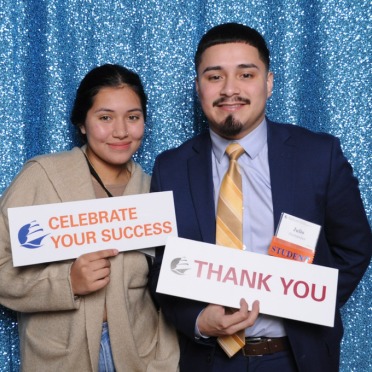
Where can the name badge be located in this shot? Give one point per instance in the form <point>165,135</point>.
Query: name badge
<point>295,239</point>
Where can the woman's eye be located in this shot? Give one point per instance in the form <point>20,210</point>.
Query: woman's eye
<point>105,118</point>
<point>133,117</point>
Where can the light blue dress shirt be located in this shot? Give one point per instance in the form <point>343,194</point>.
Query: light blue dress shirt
<point>258,220</point>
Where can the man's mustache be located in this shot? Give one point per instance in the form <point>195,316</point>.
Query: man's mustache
<point>231,100</point>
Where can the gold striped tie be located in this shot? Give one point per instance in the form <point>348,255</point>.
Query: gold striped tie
<point>229,228</point>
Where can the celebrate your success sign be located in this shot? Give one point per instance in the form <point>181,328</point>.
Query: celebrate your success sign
<point>104,217</point>
<point>60,231</point>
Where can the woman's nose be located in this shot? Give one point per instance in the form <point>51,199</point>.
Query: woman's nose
<point>120,130</point>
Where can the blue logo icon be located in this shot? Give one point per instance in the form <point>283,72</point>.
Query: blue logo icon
<point>31,235</point>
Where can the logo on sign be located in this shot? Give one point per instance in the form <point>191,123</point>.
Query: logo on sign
<point>180,265</point>
<point>31,235</point>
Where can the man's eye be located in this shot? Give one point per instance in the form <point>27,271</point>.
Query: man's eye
<point>247,75</point>
<point>214,77</point>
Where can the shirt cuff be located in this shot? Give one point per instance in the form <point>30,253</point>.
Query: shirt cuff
<point>198,335</point>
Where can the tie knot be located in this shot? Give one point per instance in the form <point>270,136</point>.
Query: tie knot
<point>234,150</point>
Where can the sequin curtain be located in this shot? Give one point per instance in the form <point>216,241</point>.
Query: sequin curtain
<point>321,57</point>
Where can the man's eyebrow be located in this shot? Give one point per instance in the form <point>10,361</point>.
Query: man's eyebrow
<point>219,68</point>
<point>248,65</point>
<point>212,68</point>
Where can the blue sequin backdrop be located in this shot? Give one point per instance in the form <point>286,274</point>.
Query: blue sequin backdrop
<point>321,57</point>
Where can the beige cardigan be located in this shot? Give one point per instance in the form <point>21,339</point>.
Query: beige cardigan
<point>57,332</point>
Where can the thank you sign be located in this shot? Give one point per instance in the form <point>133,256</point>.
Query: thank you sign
<point>61,231</point>
<point>220,275</point>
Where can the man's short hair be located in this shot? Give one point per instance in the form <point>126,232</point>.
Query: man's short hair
<point>233,33</point>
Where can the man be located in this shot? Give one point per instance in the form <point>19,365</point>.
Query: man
<point>284,168</point>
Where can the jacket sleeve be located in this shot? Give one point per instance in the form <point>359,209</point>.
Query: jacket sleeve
<point>181,312</point>
<point>34,288</point>
<point>346,227</point>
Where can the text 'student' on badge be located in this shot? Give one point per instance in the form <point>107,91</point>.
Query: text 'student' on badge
<point>295,239</point>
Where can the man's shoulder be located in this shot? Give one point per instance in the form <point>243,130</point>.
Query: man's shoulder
<point>187,148</point>
<point>297,133</point>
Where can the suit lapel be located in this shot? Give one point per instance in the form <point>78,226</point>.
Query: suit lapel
<point>201,186</point>
<point>282,172</point>
<point>281,155</point>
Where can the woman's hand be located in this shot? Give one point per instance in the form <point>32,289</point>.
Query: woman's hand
<point>91,271</point>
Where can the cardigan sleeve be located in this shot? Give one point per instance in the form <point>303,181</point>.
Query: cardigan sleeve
<point>34,288</point>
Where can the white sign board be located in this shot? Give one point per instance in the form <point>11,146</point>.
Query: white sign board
<point>220,275</point>
<point>60,231</point>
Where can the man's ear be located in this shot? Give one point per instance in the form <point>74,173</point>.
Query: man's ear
<point>270,83</point>
<point>197,85</point>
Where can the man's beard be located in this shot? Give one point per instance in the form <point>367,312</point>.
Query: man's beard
<point>230,127</point>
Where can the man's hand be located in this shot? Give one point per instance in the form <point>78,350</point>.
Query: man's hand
<point>216,321</point>
<point>91,271</point>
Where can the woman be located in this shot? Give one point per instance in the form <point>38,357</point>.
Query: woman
<point>94,313</point>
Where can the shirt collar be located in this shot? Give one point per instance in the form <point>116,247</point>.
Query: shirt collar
<point>252,142</point>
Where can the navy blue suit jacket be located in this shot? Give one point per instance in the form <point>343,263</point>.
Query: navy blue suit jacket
<point>310,179</point>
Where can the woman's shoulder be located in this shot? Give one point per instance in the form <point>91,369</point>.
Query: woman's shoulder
<point>58,157</point>
<point>38,169</point>
<point>45,176</point>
